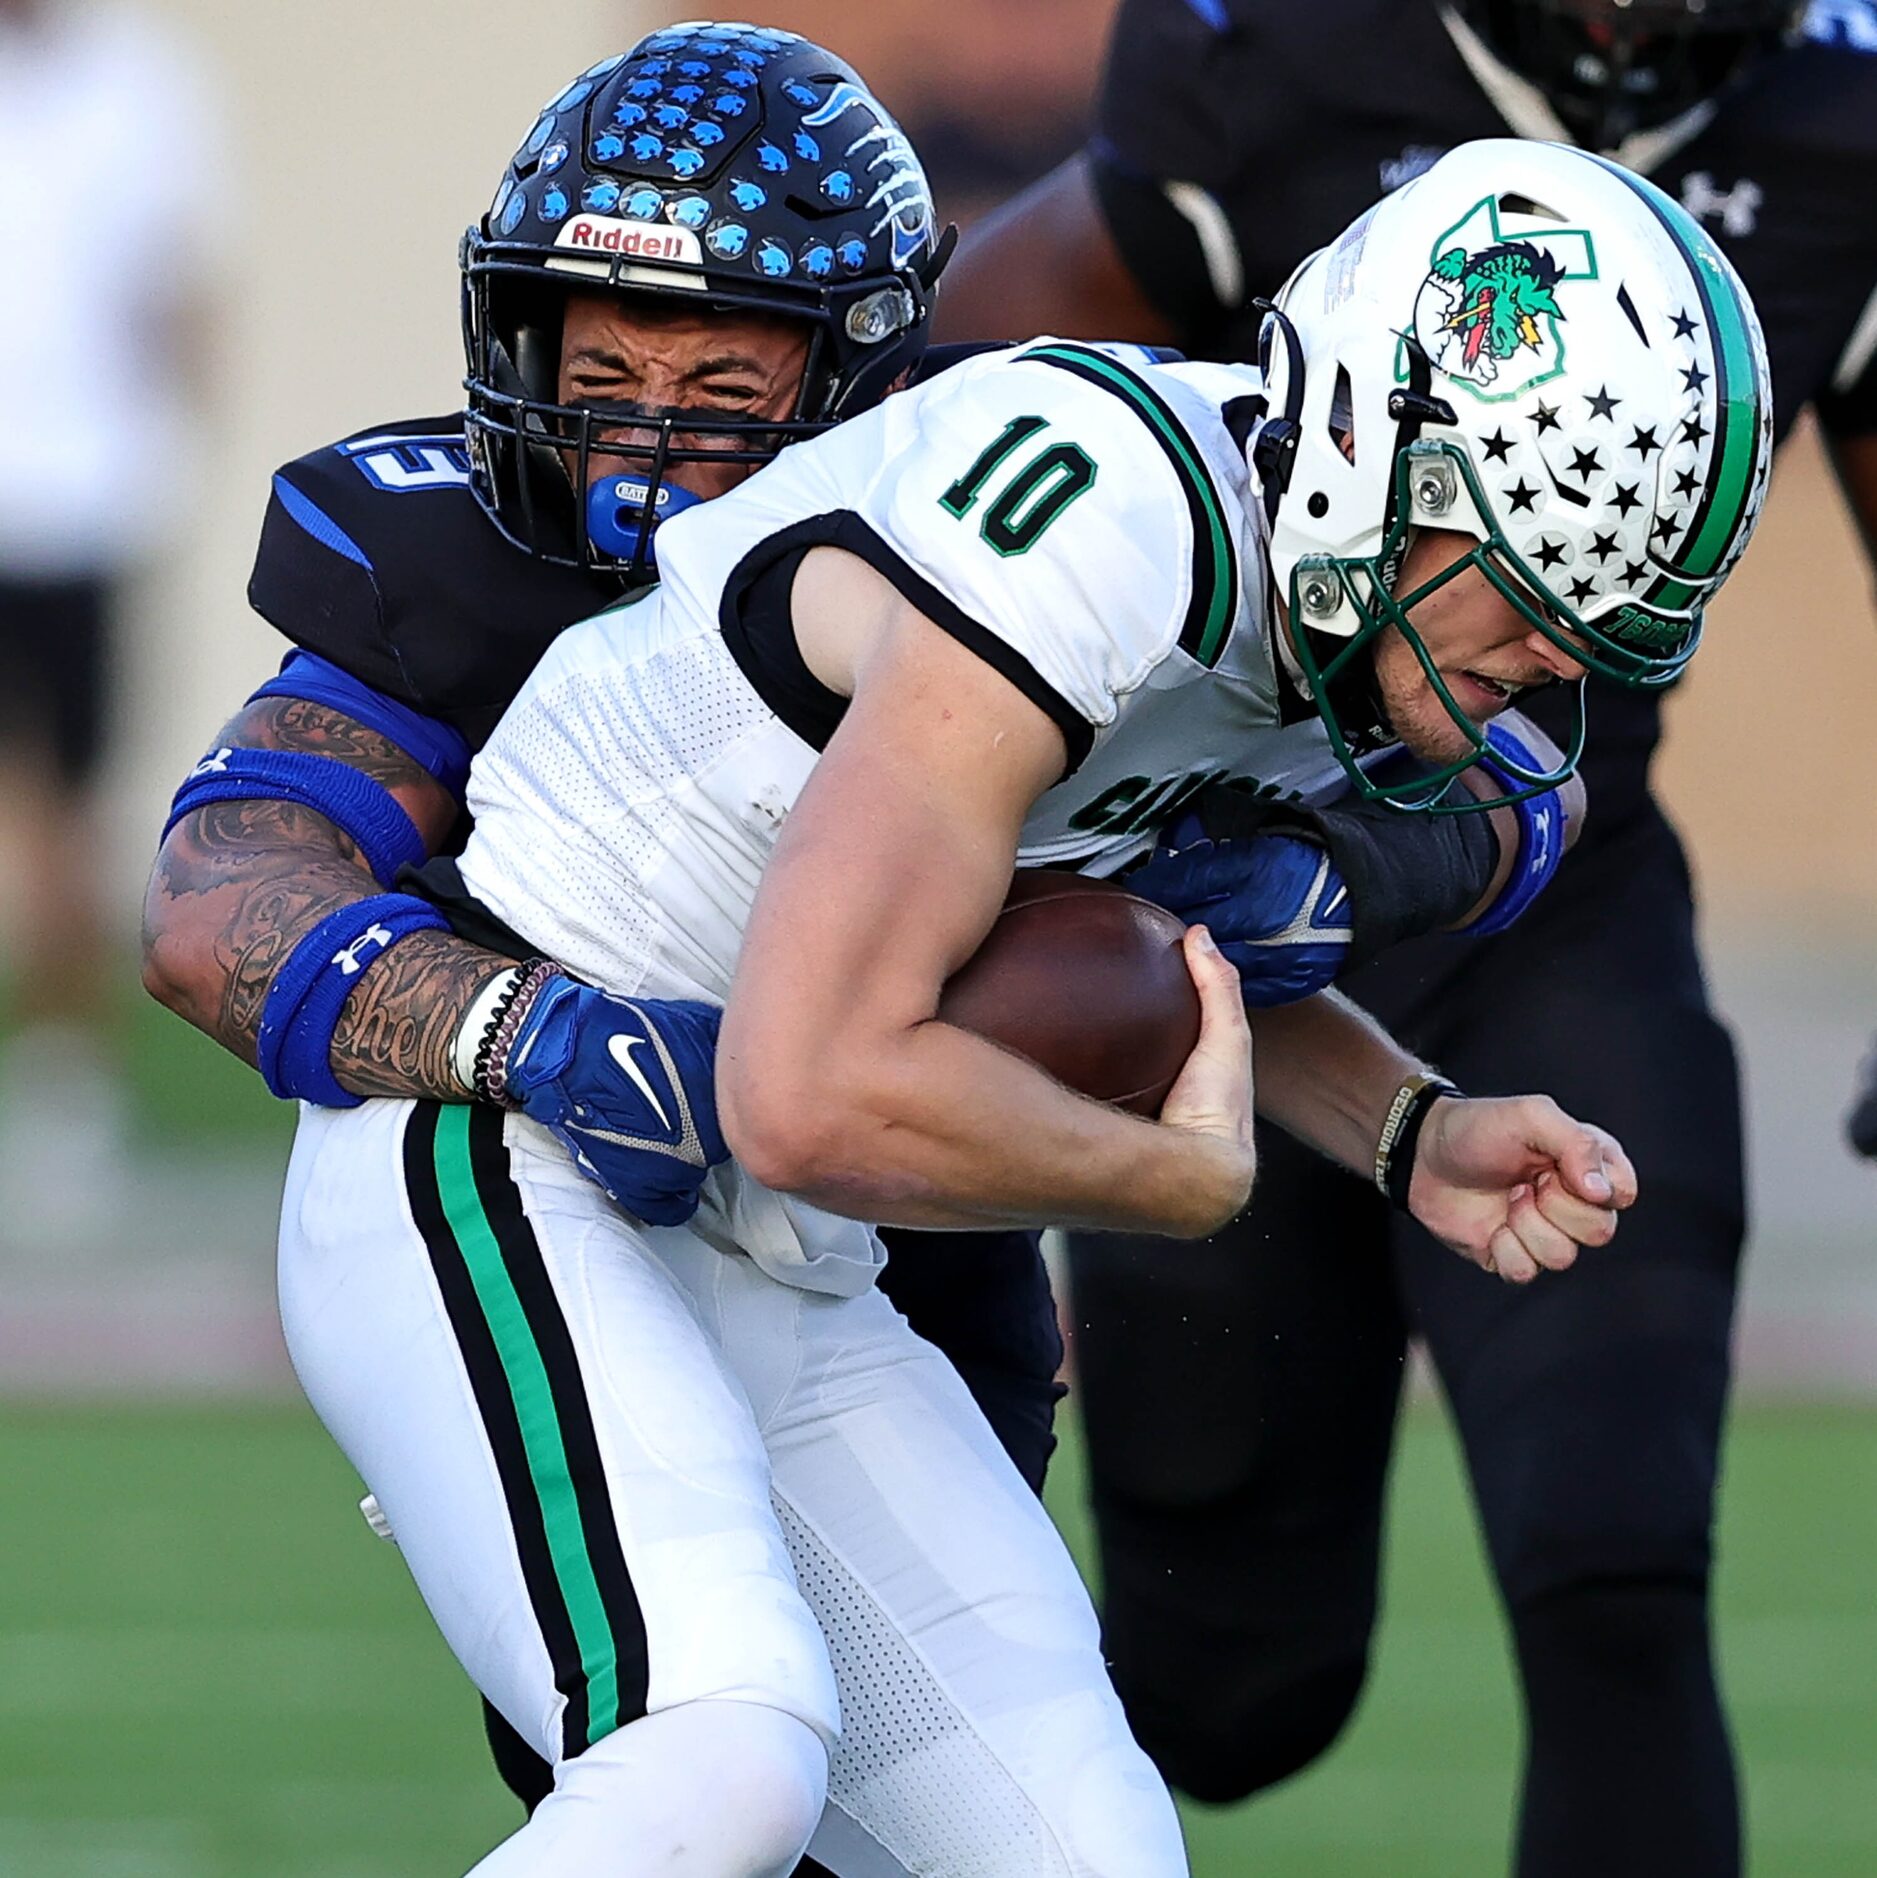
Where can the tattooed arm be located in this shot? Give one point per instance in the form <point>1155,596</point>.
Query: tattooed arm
<point>237,885</point>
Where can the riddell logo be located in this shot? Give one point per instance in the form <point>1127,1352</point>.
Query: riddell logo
<point>652,241</point>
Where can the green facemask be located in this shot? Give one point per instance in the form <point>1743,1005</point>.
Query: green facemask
<point>1640,646</point>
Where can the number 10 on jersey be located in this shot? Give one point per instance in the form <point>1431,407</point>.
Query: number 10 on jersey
<point>1033,497</point>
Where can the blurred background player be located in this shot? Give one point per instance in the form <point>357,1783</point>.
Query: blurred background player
<point>106,220</point>
<point>1240,1420</point>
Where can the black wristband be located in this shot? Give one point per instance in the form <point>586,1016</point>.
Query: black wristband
<point>1406,874</point>
<point>1401,1135</point>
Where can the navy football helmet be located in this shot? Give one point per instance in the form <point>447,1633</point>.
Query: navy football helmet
<point>1612,67</point>
<point>735,165</point>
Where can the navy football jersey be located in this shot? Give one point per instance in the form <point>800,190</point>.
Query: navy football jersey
<point>1234,137</point>
<point>375,555</point>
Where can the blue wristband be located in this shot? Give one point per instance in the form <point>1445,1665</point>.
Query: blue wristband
<point>293,1050</point>
<point>1541,835</point>
<point>440,748</point>
<point>352,801</point>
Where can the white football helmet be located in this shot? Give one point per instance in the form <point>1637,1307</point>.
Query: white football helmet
<point>1532,346</point>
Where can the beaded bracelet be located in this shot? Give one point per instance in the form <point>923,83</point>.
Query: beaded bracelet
<point>490,1079</point>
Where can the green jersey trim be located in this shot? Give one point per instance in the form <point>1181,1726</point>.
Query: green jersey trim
<point>1213,605</point>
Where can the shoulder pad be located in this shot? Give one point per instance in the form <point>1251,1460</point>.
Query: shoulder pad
<point>374,554</point>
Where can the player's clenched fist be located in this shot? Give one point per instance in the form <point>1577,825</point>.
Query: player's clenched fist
<point>1516,1185</point>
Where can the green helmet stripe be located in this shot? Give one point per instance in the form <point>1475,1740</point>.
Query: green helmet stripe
<point>1214,602</point>
<point>1725,501</point>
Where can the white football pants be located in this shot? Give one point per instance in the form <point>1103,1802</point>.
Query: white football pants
<point>695,1531</point>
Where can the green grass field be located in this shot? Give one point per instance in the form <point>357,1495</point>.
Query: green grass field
<point>210,1669</point>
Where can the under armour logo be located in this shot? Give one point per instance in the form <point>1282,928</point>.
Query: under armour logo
<point>214,763</point>
<point>348,960</point>
<point>1736,209</point>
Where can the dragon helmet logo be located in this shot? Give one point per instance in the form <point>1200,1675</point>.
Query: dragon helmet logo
<point>1487,314</point>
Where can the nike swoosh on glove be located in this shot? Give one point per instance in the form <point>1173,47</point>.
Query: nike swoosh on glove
<point>629,1087</point>
<point>1275,904</point>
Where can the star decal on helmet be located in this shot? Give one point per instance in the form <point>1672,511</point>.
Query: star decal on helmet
<point>1643,442</point>
<point>1626,498</point>
<point>1684,326</point>
<point>1550,553</point>
<point>1522,496</point>
<point>1686,483</point>
<point>1580,591</point>
<point>1545,416</point>
<point>1601,403</point>
<point>1487,314</point>
<point>1603,546</point>
<point>1584,464</point>
<point>1693,377</point>
<point>1497,447</point>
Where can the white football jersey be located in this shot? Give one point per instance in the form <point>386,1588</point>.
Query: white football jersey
<point>1080,517</point>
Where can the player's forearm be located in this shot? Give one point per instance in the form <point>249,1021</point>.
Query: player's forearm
<point>236,888</point>
<point>1327,1073</point>
<point>937,1128</point>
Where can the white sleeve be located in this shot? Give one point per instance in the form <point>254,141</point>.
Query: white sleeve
<point>1032,513</point>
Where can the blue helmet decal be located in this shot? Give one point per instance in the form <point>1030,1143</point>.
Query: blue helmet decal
<point>851,253</point>
<point>773,259</point>
<point>748,55</point>
<point>806,148</point>
<point>670,116</point>
<point>689,211</point>
<point>627,115</point>
<point>798,93</point>
<point>600,196</point>
<point>748,196</point>
<point>817,260</point>
<point>501,198</point>
<point>727,240</point>
<point>516,209</point>
<point>644,203</point>
<point>552,158</point>
<point>576,93</point>
<point>645,147</point>
<point>554,204</point>
<point>694,68</point>
<point>741,77</point>
<point>609,146</point>
<point>537,138</point>
<point>729,104</point>
<point>687,162</point>
<point>774,159</point>
<point>654,68</point>
<point>838,186</point>
<point>606,65</point>
<point>643,88</point>
<point>706,133</point>
<point>686,95</point>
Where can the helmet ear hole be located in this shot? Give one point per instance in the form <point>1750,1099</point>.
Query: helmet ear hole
<point>1342,418</point>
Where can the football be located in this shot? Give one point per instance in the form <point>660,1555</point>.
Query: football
<point>1088,982</point>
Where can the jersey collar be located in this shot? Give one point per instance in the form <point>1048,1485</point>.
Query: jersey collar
<point>1527,111</point>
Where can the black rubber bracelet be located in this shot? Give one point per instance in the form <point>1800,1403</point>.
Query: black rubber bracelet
<point>1397,1169</point>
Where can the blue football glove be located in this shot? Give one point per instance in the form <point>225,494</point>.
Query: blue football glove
<point>1275,904</point>
<point>629,1087</point>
